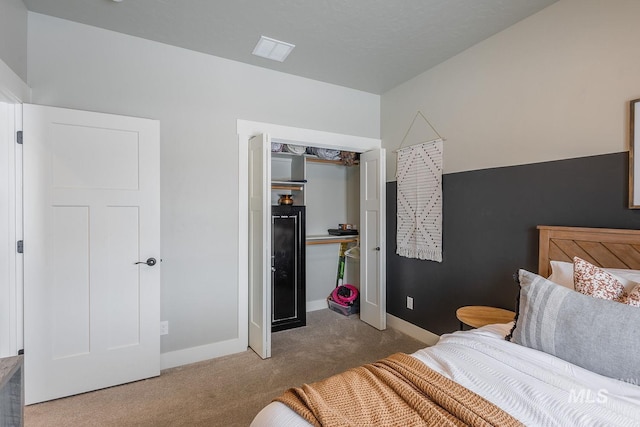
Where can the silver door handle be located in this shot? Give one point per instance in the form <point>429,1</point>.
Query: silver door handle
<point>150,262</point>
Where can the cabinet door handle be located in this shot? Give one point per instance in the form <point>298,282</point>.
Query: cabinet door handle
<point>377,248</point>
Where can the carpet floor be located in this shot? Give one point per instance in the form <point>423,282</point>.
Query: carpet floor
<point>230,390</point>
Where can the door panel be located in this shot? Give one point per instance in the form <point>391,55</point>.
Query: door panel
<point>91,210</point>
<point>85,156</point>
<point>373,245</point>
<point>260,245</point>
<point>124,288</point>
<point>70,281</point>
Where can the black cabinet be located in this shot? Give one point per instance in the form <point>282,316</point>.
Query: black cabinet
<point>288,267</point>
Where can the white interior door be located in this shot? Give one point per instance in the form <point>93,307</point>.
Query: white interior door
<point>260,245</point>
<point>91,211</point>
<point>373,285</point>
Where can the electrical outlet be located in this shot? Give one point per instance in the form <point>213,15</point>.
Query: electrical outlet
<point>410,303</point>
<point>164,327</point>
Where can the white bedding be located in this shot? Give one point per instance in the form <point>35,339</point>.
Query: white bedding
<point>536,388</point>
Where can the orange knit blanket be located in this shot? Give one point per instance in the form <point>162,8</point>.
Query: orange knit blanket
<point>396,391</point>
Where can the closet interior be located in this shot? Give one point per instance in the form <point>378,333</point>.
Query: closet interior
<point>312,191</point>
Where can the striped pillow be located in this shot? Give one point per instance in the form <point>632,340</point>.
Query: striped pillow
<point>596,334</point>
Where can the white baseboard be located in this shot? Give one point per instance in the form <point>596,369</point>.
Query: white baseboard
<point>172,359</point>
<point>412,330</point>
<point>319,304</point>
<point>176,358</point>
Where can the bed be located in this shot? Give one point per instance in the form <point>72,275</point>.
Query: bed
<point>572,359</point>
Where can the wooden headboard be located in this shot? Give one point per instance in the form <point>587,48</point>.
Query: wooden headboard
<point>604,247</point>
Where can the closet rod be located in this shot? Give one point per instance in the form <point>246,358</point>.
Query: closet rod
<point>286,187</point>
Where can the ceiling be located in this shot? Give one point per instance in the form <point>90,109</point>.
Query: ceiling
<point>369,45</point>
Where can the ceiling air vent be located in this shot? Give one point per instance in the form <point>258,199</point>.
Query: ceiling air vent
<point>273,49</point>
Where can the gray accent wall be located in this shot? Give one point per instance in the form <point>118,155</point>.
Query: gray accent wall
<point>489,232</point>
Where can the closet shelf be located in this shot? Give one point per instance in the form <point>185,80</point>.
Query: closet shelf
<point>325,239</point>
<point>286,187</point>
<point>307,157</point>
<point>333,162</point>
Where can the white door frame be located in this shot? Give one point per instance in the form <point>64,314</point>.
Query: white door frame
<point>10,285</point>
<point>312,138</point>
<point>13,92</point>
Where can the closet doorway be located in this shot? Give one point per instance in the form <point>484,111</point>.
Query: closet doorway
<point>255,223</point>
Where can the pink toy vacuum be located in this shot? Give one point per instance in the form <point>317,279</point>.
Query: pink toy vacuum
<point>344,299</point>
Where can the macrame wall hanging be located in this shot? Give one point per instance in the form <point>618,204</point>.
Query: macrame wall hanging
<point>419,196</point>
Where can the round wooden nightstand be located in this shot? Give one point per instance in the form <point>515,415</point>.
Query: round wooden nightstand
<point>477,316</point>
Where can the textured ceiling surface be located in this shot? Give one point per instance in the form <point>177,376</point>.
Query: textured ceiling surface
<point>369,45</point>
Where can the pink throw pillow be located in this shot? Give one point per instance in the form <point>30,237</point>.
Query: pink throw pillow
<point>633,298</point>
<point>594,281</point>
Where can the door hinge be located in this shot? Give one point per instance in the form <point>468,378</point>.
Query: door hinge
<point>19,137</point>
<point>20,247</point>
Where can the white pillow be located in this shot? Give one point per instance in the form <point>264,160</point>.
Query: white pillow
<point>562,274</point>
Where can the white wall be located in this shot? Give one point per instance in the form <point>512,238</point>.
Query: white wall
<point>556,85</point>
<point>13,51</point>
<point>333,197</point>
<point>197,99</point>
<point>13,36</point>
